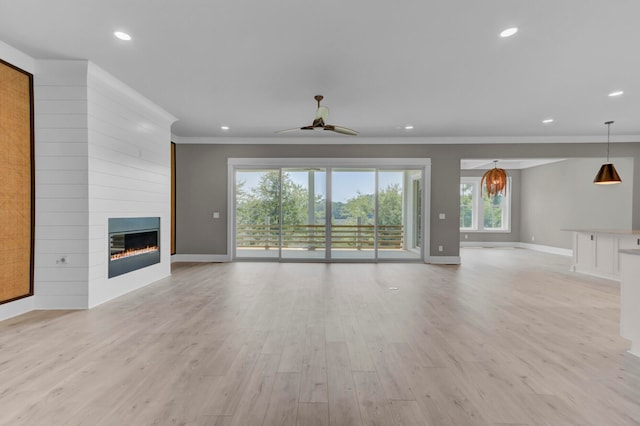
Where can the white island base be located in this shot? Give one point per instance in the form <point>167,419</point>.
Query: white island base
<point>630,298</point>
<point>596,251</point>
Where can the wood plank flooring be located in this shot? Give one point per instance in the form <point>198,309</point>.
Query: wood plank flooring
<point>510,337</point>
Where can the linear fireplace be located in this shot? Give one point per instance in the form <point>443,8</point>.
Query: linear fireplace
<point>134,243</point>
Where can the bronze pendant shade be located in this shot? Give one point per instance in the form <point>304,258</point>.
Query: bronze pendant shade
<point>495,180</point>
<point>607,174</point>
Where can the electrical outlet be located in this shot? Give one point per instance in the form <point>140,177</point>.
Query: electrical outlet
<point>533,238</point>
<point>466,236</point>
<point>441,216</point>
<point>216,215</point>
<point>440,248</point>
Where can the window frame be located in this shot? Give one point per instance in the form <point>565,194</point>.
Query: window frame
<point>477,206</point>
<point>419,164</point>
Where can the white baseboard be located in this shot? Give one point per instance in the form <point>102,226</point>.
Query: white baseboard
<point>438,260</point>
<point>487,244</point>
<point>443,260</point>
<point>200,258</point>
<point>612,277</point>
<point>536,247</point>
<point>17,307</point>
<point>547,249</point>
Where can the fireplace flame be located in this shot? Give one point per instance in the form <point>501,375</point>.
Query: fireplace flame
<point>133,252</point>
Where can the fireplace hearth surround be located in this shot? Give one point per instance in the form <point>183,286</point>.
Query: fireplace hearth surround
<point>134,243</point>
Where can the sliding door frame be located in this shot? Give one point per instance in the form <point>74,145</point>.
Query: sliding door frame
<point>422,164</point>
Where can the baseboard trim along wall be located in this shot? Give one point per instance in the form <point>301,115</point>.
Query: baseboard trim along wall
<point>537,247</point>
<point>200,258</point>
<point>437,260</point>
<point>18,307</point>
<point>443,260</point>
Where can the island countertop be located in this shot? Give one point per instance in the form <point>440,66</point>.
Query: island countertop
<point>605,231</point>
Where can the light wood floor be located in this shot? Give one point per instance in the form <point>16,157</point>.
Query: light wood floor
<point>508,338</point>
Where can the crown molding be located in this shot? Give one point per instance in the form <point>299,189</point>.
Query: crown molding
<point>400,140</point>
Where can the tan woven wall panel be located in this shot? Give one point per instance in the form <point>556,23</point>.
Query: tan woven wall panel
<point>15,183</point>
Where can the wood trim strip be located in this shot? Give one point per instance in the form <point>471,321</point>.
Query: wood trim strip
<point>173,198</point>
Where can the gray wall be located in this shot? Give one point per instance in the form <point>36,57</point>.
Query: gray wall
<point>561,196</point>
<point>201,179</point>
<point>494,237</point>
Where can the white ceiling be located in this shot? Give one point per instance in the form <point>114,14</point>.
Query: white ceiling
<point>508,163</point>
<point>255,65</point>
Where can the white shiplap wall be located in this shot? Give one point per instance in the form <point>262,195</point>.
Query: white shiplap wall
<point>62,206</point>
<point>101,150</point>
<point>129,176</point>
<point>26,63</point>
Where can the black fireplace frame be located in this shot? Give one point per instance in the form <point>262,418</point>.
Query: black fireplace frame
<point>130,225</point>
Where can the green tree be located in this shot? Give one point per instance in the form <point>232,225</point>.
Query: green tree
<point>262,203</point>
<point>466,205</point>
<point>492,210</point>
<point>361,206</point>
<point>390,205</point>
<point>337,210</point>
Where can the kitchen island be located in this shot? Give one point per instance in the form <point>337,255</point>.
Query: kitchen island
<point>630,298</point>
<point>597,251</point>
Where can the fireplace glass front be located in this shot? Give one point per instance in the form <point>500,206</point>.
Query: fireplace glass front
<point>133,244</point>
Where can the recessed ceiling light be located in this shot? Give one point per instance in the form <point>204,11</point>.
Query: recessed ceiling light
<point>122,36</point>
<point>408,127</point>
<point>616,93</point>
<point>224,127</point>
<point>547,120</point>
<point>509,32</point>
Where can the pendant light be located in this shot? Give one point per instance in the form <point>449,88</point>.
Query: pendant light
<point>607,174</point>
<point>495,180</point>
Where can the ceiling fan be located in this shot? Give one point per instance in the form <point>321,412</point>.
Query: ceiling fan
<point>320,122</point>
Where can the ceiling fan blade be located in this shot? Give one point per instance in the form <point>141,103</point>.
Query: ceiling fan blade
<point>320,122</point>
<point>287,130</point>
<point>296,129</point>
<point>340,129</point>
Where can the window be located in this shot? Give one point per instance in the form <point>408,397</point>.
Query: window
<point>467,196</point>
<point>478,212</point>
<point>327,209</point>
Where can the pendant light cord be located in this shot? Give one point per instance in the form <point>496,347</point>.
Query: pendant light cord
<point>608,123</point>
<point>608,135</point>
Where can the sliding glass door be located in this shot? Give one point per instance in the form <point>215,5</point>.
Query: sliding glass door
<point>257,213</point>
<point>399,214</point>
<point>328,213</point>
<point>353,213</point>
<point>304,213</point>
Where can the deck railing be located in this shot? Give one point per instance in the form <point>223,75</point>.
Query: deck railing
<point>314,236</point>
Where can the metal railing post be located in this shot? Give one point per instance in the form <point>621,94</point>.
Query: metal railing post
<point>267,227</point>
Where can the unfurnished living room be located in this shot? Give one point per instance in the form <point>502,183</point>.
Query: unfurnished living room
<point>301,213</point>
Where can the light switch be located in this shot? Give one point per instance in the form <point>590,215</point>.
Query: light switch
<point>441,216</point>
<point>216,215</point>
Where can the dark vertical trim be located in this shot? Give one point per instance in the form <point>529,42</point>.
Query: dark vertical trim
<point>173,198</point>
<point>33,183</point>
